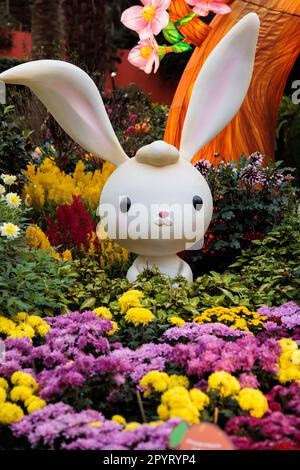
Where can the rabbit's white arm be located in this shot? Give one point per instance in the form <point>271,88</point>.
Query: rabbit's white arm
<point>221,86</point>
<point>73,99</point>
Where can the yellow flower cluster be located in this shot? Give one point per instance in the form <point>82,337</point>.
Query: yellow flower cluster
<point>237,318</point>
<point>139,316</point>
<point>23,325</point>
<point>289,361</point>
<point>253,401</point>
<point>181,403</point>
<point>47,184</point>
<point>155,381</point>
<point>21,397</point>
<point>131,298</point>
<point>176,321</point>
<point>224,383</point>
<point>135,313</point>
<point>104,312</point>
<point>36,238</point>
<point>108,253</point>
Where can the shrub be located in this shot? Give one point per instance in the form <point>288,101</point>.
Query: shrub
<point>15,145</point>
<point>250,198</point>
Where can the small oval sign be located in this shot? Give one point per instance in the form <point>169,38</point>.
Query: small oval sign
<point>206,436</point>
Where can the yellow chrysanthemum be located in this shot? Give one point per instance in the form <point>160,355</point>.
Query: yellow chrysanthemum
<point>115,328</point>
<point>20,393</point>
<point>23,378</point>
<point>176,321</point>
<point>155,381</point>
<point>2,395</point>
<point>253,401</point>
<point>224,383</point>
<point>178,381</point>
<point>3,383</point>
<point>288,345</point>
<point>10,413</point>
<point>139,316</point>
<point>103,312</point>
<point>178,402</point>
<point>6,326</point>
<point>131,298</point>
<point>119,419</point>
<point>199,399</point>
<point>288,361</point>
<point>35,405</point>
<point>132,426</point>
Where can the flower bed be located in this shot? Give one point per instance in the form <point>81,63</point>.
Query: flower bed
<point>91,361</point>
<point>72,382</point>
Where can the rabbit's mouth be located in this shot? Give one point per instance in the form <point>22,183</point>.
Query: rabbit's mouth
<point>168,222</point>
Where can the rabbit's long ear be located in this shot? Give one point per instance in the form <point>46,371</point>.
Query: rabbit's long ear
<point>221,86</point>
<point>73,99</point>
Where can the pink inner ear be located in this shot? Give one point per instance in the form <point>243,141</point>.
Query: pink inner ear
<point>78,103</point>
<point>217,91</point>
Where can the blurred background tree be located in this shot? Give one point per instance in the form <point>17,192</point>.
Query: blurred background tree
<point>47,28</point>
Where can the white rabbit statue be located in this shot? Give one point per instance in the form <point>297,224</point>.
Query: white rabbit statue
<point>160,180</point>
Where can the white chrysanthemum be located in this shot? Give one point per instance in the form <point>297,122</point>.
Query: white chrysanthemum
<point>9,230</point>
<point>2,189</point>
<point>13,200</point>
<point>8,179</point>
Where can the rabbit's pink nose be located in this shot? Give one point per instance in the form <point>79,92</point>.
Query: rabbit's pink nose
<point>163,214</point>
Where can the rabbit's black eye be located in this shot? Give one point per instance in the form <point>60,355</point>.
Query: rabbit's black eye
<point>197,202</point>
<point>125,204</point>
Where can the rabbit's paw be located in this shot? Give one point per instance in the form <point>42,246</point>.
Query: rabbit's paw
<point>186,271</point>
<point>133,273</point>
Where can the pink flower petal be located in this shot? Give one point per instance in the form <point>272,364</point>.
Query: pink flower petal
<point>159,22</point>
<point>163,4</point>
<point>196,2</point>
<point>219,8</point>
<point>146,2</point>
<point>201,11</point>
<point>132,18</point>
<point>146,33</point>
<point>135,58</point>
<point>157,62</point>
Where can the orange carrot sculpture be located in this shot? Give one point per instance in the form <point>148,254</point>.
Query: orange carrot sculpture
<point>279,45</point>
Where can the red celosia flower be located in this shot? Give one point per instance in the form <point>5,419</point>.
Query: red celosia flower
<point>71,226</point>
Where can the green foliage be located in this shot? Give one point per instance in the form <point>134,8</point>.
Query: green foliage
<point>135,119</point>
<point>181,47</point>
<point>266,275</point>
<point>172,34</point>
<point>272,272</point>
<point>250,197</point>
<point>288,133</point>
<point>186,19</point>
<point>31,281</point>
<point>15,146</point>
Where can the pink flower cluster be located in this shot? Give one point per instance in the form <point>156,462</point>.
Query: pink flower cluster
<point>149,19</point>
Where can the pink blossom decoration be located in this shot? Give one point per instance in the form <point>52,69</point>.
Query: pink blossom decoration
<point>147,20</point>
<point>203,8</point>
<point>145,55</point>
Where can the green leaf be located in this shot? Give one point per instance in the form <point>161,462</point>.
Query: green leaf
<point>178,434</point>
<point>186,19</point>
<point>89,303</point>
<point>172,34</point>
<point>181,47</point>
